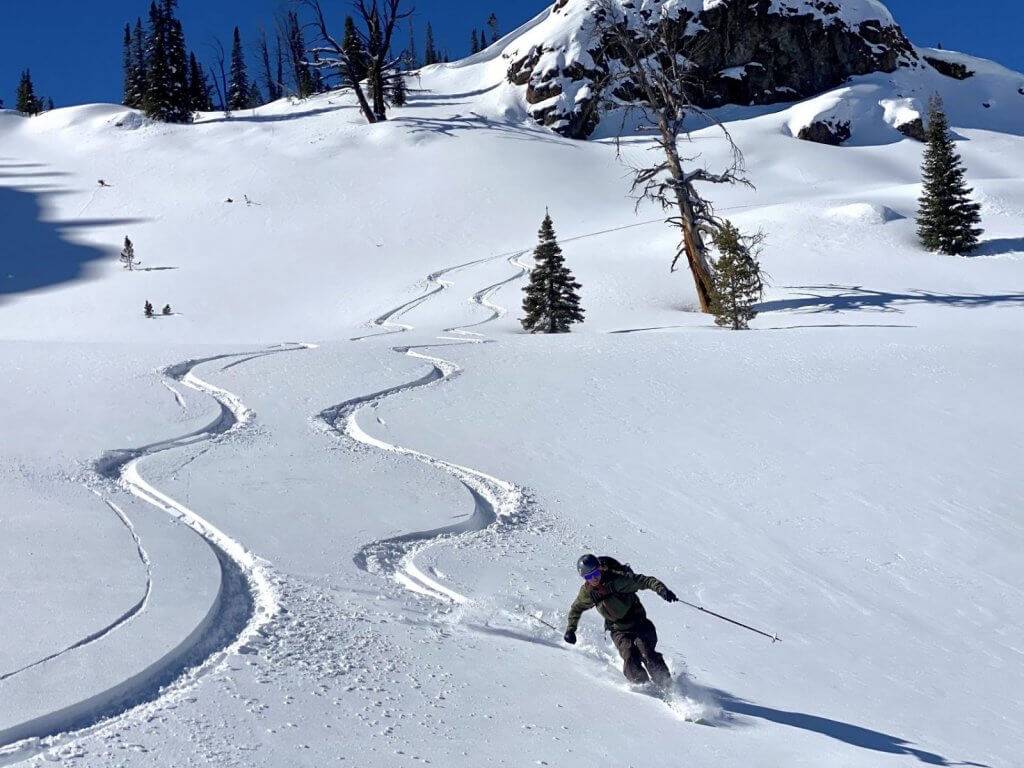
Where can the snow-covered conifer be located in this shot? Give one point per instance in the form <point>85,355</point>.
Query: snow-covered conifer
<point>238,85</point>
<point>947,219</point>
<point>128,255</point>
<point>552,303</point>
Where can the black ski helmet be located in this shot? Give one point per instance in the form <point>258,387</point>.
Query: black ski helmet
<point>587,564</point>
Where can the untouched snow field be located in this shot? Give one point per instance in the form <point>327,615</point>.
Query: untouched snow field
<point>310,519</point>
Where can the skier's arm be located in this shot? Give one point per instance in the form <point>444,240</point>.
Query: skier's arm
<point>634,582</point>
<point>583,602</point>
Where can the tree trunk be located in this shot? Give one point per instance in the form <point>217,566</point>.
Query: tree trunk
<point>693,243</point>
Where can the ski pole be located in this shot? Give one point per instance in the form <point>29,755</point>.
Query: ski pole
<point>538,618</point>
<point>773,638</point>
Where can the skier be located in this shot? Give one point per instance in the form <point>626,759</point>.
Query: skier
<point>611,587</point>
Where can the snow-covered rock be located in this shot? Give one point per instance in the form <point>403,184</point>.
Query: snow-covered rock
<point>743,53</point>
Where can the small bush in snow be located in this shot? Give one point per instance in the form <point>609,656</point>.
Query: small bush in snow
<point>738,282</point>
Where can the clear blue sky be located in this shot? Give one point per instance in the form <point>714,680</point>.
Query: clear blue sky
<point>74,48</point>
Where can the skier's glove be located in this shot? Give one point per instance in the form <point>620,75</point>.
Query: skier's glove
<point>670,596</point>
<point>570,637</point>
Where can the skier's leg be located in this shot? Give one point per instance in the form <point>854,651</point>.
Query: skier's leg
<point>646,643</point>
<point>632,667</point>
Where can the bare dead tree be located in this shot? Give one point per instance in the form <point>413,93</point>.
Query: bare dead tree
<point>272,80</point>
<point>378,18</point>
<point>219,75</point>
<point>651,77</point>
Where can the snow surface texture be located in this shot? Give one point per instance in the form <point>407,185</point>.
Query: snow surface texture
<point>286,554</point>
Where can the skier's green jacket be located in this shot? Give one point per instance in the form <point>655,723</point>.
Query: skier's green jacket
<point>615,599</point>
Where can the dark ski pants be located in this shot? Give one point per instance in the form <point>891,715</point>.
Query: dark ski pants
<point>637,649</point>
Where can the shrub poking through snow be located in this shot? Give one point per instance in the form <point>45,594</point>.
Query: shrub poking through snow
<point>166,310</point>
<point>147,310</point>
<point>738,281</point>
<point>947,219</point>
<point>128,255</point>
<point>552,303</point>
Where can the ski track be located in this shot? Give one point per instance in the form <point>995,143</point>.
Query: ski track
<point>121,620</point>
<point>247,600</point>
<point>496,502</point>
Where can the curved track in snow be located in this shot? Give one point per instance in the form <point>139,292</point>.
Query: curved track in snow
<point>495,501</point>
<point>117,623</point>
<point>246,600</point>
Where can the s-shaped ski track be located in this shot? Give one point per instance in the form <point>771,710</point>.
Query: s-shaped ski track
<point>245,603</point>
<point>496,502</point>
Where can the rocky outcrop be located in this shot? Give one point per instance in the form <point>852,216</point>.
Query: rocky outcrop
<point>826,132</point>
<point>953,69</point>
<point>758,52</point>
<point>913,129</point>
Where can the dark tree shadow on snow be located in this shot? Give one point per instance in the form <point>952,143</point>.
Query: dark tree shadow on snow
<point>1000,246</point>
<point>456,124</point>
<point>837,298</point>
<point>854,735</point>
<point>35,254</point>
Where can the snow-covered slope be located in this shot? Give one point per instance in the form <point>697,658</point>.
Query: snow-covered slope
<point>235,537</point>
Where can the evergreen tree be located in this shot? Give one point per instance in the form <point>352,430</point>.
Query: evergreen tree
<point>166,310</point>
<point>128,255</point>
<point>492,25</point>
<point>198,87</point>
<point>398,93</point>
<point>49,104</point>
<point>254,98</point>
<point>166,97</point>
<point>474,43</point>
<point>238,85</point>
<point>128,66</point>
<point>177,67</point>
<point>552,303</point>
<point>28,103</point>
<point>354,49</point>
<point>147,309</point>
<point>430,54</point>
<point>737,280</point>
<point>135,96</point>
<point>412,59</point>
<point>947,219</point>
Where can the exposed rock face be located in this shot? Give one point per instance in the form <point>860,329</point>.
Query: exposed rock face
<point>826,132</point>
<point>953,69</point>
<point>757,52</point>
<point>914,129</point>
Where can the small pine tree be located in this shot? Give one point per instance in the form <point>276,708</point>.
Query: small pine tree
<point>354,49</point>
<point>412,57</point>
<point>28,103</point>
<point>166,310</point>
<point>430,55</point>
<point>492,25</point>
<point>198,87</point>
<point>147,310</point>
<point>128,67</point>
<point>398,92</point>
<point>738,282</point>
<point>552,303</point>
<point>474,43</point>
<point>135,91</point>
<point>238,86</point>
<point>947,219</point>
<point>295,40</point>
<point>128,255</point>
<point>255,98</point>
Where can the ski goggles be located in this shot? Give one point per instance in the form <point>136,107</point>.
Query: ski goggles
<point>592,574</point>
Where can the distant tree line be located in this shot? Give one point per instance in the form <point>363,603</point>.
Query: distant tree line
<point>163,77</point>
